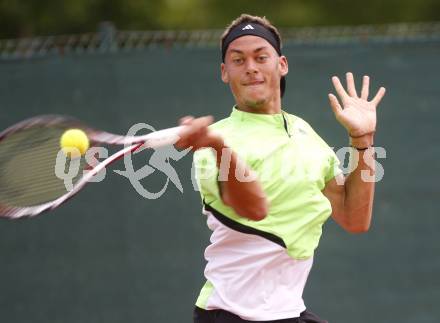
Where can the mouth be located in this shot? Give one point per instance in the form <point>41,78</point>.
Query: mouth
<point>253,83</point>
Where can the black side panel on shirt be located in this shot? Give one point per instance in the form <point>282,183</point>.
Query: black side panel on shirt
<point>243,228</point>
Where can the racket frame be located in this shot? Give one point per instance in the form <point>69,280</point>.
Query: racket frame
<point>153,140</point>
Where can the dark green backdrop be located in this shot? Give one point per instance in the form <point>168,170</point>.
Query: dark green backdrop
<point>112,256</point>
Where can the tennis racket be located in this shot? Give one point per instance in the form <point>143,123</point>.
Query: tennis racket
<point>29,184</point>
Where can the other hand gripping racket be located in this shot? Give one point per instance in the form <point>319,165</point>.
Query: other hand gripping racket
<point>28,155</point>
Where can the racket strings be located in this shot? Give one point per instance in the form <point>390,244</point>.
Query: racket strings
<point>27,163</point>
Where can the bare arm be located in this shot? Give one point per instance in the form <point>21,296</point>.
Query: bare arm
<point>247,198</point>
<point>352,197</point>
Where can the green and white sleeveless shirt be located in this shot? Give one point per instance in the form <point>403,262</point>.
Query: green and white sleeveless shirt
<point>258,270</point>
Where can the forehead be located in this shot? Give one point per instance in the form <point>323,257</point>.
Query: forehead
<point>248,43</point>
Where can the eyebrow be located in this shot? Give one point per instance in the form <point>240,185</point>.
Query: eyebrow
<point>241,52</point>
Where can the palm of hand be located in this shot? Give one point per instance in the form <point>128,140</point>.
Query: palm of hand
<point>358,117</point>
<point>357,114</point>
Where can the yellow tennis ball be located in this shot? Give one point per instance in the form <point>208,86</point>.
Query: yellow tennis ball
<point>74,142</point>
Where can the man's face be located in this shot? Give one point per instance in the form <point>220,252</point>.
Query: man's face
<point>253,70</point>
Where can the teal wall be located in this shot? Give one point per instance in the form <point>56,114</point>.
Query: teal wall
<point>110,255</point>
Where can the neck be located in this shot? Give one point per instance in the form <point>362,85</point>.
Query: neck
<point>272,106</point>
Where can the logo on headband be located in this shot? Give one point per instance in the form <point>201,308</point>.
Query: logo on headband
<point>247,27</point>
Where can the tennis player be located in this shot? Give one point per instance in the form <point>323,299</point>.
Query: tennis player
<point>268,182</point>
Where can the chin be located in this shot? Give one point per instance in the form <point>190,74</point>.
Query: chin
<point>258,95</point>
<point>255,103</point>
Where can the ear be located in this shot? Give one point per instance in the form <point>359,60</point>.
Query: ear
<point>284,65</point>
<point>225,77</point>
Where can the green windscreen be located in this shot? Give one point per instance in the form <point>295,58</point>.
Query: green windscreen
<point>113,255</point>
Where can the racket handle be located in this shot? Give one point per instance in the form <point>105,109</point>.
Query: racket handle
<point>161,137</point>
<point>152,140</point>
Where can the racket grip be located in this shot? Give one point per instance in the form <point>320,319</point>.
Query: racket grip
<point>152,140</point>
<point>162,137</point>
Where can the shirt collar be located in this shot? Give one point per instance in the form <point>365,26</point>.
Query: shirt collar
<point>268,119</point>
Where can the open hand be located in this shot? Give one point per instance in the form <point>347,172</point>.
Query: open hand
<point>357,114</point>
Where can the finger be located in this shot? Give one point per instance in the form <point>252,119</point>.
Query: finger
<point>339,88</point>
<point>351,87</point>
<point>334,103</point>
<point>365,87</point>
<point>185,120</point>
<point>376,100</point>
<point>203,122</point>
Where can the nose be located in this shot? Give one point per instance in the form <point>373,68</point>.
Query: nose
<point>251,67</point>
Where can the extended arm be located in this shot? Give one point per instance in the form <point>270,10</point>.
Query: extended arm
<point>247,198</point>
<point>352,197</point>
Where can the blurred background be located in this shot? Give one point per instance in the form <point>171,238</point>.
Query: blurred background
<point>19,18</point>
<point>111,255</point>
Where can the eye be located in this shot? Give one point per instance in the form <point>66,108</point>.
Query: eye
<point>237,60</point>
<point>262,58</point>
